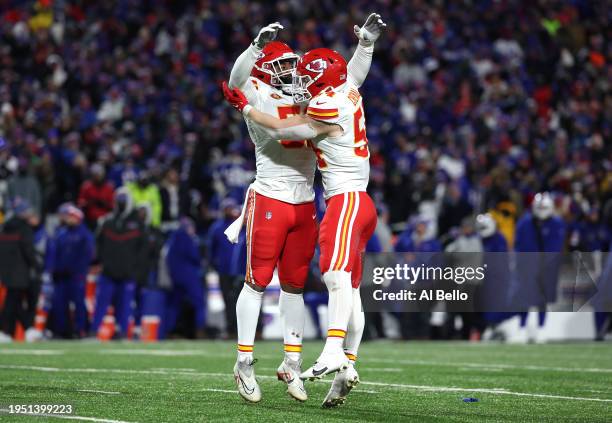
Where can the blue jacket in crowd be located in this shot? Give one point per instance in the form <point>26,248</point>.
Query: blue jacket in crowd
<point>537,267</point>
<point>495,243</point>
<point>183,259</point>
<point>70,251</point>
<point>222,255</point>
<point>405,243</point>
<point>552,233</point>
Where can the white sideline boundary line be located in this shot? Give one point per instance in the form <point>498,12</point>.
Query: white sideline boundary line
<point>160,353</point>
<point>64,416</point>
<point>226,391</point>
<point>94,391</point>
<point>23,351</point>
<point>186,353</point>
<point>426,388</point>
<point>174,369</point>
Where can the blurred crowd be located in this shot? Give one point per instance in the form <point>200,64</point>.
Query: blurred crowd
<point>471,107</point>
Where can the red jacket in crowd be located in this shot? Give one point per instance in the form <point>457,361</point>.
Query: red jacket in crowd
<point>96,199</point>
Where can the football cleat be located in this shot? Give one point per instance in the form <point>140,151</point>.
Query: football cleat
<point>244,374</point>
<point>326,363</point>
<point>344,381</point>
<point>289,372</point>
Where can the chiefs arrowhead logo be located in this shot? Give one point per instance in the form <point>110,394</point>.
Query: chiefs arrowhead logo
<point>318,65</point>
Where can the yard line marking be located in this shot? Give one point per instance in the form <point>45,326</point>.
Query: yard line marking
<point>496,391</point>
<point>227,391</point>
<point>174,369</point>
<point>160,353</point>
<point>92,370</point>
<point>427,388</point>
<point>93,391</point>
<point>481,369</point>
<point>364,391</point>
<point>489,365</point>
<point>382,369</point>
<point>10,351</point>
<point>65,416</point>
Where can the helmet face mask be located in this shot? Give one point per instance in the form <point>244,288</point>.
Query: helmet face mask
<point>276,65</point>
<point>300,88</point>
<point>282,71</point>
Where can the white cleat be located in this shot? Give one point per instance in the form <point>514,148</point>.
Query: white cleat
<point>5,339</point>
<point>344,381</point>
<point>289,372</point>
<point>326,364</point>
<point>244,374</point>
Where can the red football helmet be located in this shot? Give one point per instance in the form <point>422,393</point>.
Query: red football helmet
<point>275,65</point>
<point>317,70</point>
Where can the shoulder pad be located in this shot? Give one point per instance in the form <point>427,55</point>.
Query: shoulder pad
<point>324,107</point>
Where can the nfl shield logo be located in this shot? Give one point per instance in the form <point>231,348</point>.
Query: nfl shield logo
<point>268,215</point>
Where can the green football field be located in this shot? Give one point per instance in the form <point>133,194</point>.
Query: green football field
<point>401,381</point>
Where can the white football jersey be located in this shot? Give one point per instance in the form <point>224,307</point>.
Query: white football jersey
<point>285,169</point>
<point>343,160</point>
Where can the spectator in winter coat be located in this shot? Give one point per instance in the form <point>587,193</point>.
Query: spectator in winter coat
<point>96,196</point>
<point>120,241</point>
<point>25,186</point>
<point>68,262</point>
<point>224,257</point>
<point>185,268</point>
<point>17,264</point>
<point>539,240</point>
<point>144,191</point>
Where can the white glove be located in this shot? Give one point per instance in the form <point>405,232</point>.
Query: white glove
<point>371,29</point>
<point>267,34</point>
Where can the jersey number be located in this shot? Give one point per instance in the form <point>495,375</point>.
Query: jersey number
<point>360,133</point>
<point>283,113</point>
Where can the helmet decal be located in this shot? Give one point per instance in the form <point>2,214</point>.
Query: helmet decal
<point>318,65</point>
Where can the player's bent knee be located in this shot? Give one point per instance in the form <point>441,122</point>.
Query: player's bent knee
<point>261,278</point>
<point>292,288</point>
<point>255,287</point>
<point>337,279</point>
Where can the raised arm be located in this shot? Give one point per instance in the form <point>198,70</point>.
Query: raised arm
<point>245,62</point>
<point>359,65</point>
<point>243,66</point>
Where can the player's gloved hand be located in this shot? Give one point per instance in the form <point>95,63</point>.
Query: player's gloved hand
<point>235,97</point>
<point>267,34</point>
<point>371,29</point>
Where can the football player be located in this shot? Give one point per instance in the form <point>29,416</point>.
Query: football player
<point>335,121</point>
<point>279,209</point>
